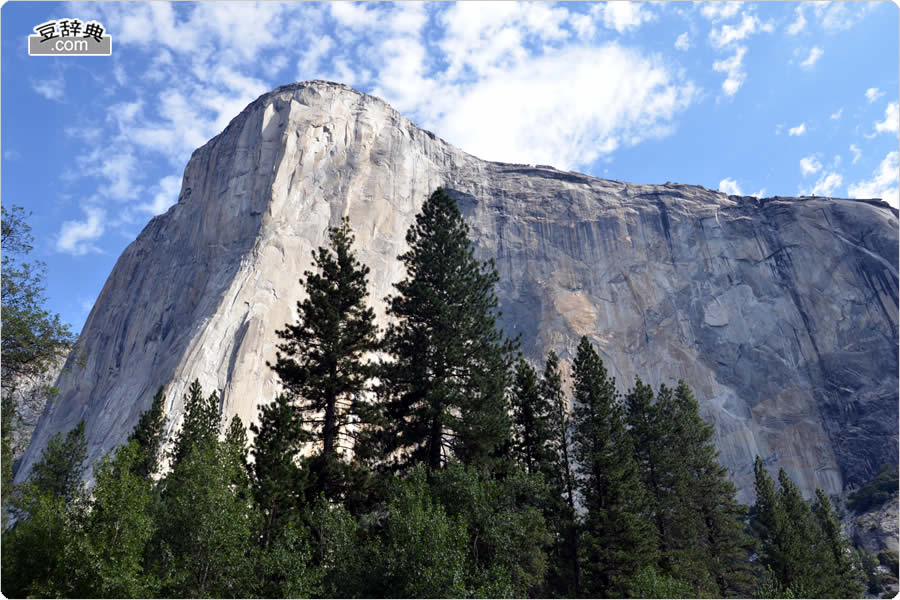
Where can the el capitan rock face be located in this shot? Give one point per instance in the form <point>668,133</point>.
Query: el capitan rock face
<point>780,313</point>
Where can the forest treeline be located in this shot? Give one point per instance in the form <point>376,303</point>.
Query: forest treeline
<point>427,460</point>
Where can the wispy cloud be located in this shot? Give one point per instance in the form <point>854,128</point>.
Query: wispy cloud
<point>683,42</point>
<point>799,23</point>
<point>856,153</point>
<point>729,34</point>
<point>826,185</point>
<point>814,55</point>
<point>873,94</point>
<point>809,165</point>
<point>891,123</point>
<point>883,183</point>
<point>717,11</point>
<point>730,186</point>
<point>837,115</point>
<point>732,67</point>
<point>798,130</point>
<point>76,237</point>
<point>51,89</point>
<point>623,16</point>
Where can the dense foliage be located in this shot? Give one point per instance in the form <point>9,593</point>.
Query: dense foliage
<point>471,475</point>
<point>33,339</point>
<point>875,493</point>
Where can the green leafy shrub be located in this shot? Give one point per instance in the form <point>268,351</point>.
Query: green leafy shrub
<point>882,488</point>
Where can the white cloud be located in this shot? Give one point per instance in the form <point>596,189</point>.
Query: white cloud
<point>827,184</point>
<point>873,94</point>
<point>798,130</point>
<point>623,16</point>
<point>730,186</point>
<point>506,81</point>
<point>760,194</point>
<point>355,15</point>
<point>809,165</point>
<point>735,75</point>
<point>814,55</point>
<point>856,152</point>
<point>488,37</point>
<point>717,11</point>
<point>838,16</point>
<point>315,52</point>
<point>75,237</point>
<point>728,34</point>
<point>51,89</point>
<point>683,42</point>
<point>559,109</point>
<point>837,115</point>
<point>883,183</point>
<point>799,23</point>
<point>165,197</point>
<point>891,123</point>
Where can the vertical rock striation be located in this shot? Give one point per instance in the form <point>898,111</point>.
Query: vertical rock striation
<point>781,313</point>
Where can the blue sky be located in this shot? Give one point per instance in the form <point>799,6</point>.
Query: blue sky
<point>767,98</point>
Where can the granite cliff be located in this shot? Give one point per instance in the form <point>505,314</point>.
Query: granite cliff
<point>781,312</point>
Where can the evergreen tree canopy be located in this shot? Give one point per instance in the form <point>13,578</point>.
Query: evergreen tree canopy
<point>323,367</point>
<point>534,444</point>
<point>803,551</point>
<point>104,555</point>
<point>564,572</point>
<point>278,482</point>
<point>60,470</point>
<point>150,436</point>
<point>844,574</point>
<point>444,392</point>
<point>618,535</point>
<point>204,546</point>
<point>201,424</point>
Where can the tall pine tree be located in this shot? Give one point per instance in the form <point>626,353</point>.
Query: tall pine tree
<point>444,392</point>
<point>564,573</point>
<point>322,366</point>
<point>150,436</point>
<point>204,544</point>
<point>845,575</point>
<point>534,445</point>
<point>618,536</point>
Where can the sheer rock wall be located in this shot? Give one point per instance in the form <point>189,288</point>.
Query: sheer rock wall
<point>781,313</point>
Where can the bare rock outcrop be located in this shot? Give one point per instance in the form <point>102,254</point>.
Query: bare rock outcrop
<point>781,312</point>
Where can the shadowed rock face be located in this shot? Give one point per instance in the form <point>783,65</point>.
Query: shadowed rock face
<point>781,313</point>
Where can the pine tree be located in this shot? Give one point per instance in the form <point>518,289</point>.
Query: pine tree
<point>564,575</point>
<point>618,537</point>
<point>794,547</point>
<point>698,521</point>
<point>206,520</point>
<point>201,423</point>
<point>444,392</point>
<point>104,554</point>
<point>534,445</point>
<point>800,539</point>
<point>278,482</point>
<point>716,538</point>
<point>323,367</point>
<point>652,438</point>
<point>770,525</point>
<point>48,509</point>
<point>150,436</point>
<point>60,470</point>
<point>844,575</point>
